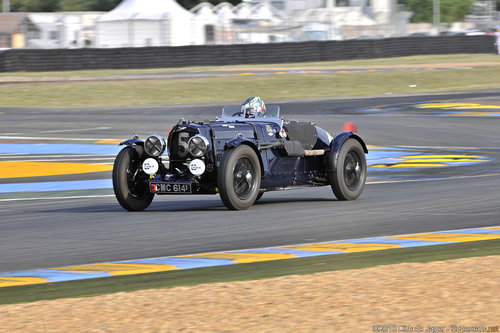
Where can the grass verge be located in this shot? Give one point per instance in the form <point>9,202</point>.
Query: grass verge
<point>253,271</point>
<point>269,87</point>
<point>231,89</point>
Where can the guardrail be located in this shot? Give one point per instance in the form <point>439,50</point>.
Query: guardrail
<point>32,60</point>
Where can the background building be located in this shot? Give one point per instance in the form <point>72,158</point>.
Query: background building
<point>141,23</point>
<point>138,23</point>
<point>17,30</point>
<point>65,29</point>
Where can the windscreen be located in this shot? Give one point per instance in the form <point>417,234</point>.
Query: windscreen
<point>234,111</point>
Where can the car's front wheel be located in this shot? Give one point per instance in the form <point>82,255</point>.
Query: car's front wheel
<point>349,177</point>
<point>239,178</point>
<point>131,189</point>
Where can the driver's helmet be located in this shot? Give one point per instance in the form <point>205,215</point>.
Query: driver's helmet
<point>253,107</point>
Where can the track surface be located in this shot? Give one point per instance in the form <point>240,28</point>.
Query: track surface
<point>52,233</point>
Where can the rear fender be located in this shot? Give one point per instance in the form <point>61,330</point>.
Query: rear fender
<point>334,148</point>
<point>243,141</point>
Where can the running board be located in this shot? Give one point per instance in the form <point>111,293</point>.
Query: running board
<point>314,152</point>
<point>292,148</point>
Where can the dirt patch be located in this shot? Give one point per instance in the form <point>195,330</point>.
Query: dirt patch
<point>432,296</point>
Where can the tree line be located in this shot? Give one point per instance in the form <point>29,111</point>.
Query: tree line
<point>34,6</point>
<point>451,10</point>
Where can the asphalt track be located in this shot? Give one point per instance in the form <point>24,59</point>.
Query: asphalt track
<point>64,231</point>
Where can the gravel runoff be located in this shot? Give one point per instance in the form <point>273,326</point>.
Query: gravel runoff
<point>443,296</point>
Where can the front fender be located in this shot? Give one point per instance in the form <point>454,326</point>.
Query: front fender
<point>334,148</point>
<point>137,145</point>
<point>131,142</point>
<point>231,144</point>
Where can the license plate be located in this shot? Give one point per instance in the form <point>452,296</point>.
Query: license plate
<point>170,188</point>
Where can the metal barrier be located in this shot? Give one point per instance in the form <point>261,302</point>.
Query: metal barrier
<point>32,60</point>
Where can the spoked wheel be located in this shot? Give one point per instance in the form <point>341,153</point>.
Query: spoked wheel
<point>239,178</point>
<point>129,183</point>
<point>348,180</point>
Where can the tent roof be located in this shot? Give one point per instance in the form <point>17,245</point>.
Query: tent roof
<point>202,6</point>
<point>145,10</point>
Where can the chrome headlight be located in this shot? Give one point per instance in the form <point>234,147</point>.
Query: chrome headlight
<point>154,145</point>
<point>198,145</point>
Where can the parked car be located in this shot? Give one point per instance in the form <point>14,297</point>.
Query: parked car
<point>240,158</point>
<point>420,34</point>
<point>451,33</point>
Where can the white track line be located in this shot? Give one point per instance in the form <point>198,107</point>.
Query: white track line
<point>59,198</point>
<point>5,156</point>
<point>76,130</point>
<point>63,160</point>
<point>49,138</point>
<point>369,183</point>
<point>433,179</point>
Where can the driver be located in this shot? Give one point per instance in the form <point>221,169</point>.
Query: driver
<point>253,107</point>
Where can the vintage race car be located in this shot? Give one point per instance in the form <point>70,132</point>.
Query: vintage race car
<point>239,158</point>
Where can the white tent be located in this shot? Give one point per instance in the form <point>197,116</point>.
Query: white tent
<point>140,23</point>
<point>224,12</point>
<point>243,11</point>
<point>205,10</point>
<point>207,22</point>
<point>264,11</point>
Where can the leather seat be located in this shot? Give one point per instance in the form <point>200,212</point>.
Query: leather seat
<point>304,132</point>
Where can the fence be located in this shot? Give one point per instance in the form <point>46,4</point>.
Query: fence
<point>158,57</point>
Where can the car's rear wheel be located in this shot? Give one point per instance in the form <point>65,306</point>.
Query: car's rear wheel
<point>239,178</point>
<point>349,177</point>
<point>129,183</point>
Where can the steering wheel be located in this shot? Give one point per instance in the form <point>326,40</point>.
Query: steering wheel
<point>239,113</point>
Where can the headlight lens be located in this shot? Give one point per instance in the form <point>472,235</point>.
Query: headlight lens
<point>154,145</point>
<point>198,145</point>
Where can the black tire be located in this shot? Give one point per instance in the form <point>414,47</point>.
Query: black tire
<point>130,186</point>
<point>239,178</point>
<point>349,178</point>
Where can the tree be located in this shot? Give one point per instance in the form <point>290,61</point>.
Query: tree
<point>88,5</point>
<point>188,4</point>
<point>62,5</point>
<point>34,5</point>
<point>451,10</point>
<point>74,5</point>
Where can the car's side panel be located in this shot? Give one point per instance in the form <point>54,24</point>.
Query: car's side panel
<point>232,144</point>
<point>278,169</point>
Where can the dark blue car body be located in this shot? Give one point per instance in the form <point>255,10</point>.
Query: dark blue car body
<point>289,154</point>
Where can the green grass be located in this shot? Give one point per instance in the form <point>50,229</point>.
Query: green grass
<point>411,60</point>
<point>253,271</point>
<point>231,89</point>
<point>236,88</point>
